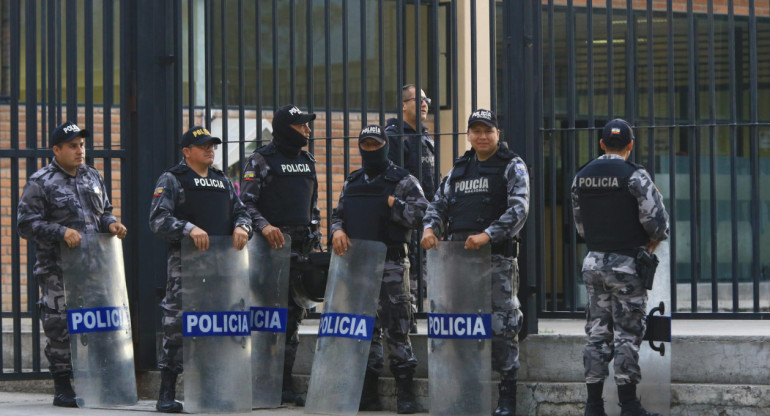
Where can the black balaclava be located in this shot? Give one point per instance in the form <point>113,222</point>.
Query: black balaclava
<point>287,140</point>
<point>375,161</point>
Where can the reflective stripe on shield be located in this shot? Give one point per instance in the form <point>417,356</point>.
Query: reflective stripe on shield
<point>217,337</point>
<point>655,387</point>
<point>459,329</point>
<point>345,331</point>
<point>269,277</point>
<point>99,321</point>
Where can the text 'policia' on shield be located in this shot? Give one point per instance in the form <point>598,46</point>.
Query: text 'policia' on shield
<point>346,326</point>
<point>461,326</point>
<point>216,324</point>
<point>81,321</point>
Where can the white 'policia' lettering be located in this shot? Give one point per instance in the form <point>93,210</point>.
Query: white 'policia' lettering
<point>470,186</point>
<point>296,167</point>
<point>71,129</point>
<point>371,130</point>
<point>217,324</point>
<point>344,325</point>
<point>266,319</point>
<point>209,183</point>
<point>598,182</point>
<point>98,319</point>
<point>460,326</point>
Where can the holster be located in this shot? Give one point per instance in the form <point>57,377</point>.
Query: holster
<point>646,263</point>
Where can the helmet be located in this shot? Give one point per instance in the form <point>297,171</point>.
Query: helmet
<point>308,278</point>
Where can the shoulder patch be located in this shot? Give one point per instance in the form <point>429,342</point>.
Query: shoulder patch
<point>158,192</point>
<point>248,176</point>
<point>521,168</point>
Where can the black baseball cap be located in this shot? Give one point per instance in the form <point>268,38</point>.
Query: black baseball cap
<point>617,133</point>
<point>197,136</point>
<point>66,132</point>
<point>481,115</point>
<point>373,131</point>
<point>291,114</point>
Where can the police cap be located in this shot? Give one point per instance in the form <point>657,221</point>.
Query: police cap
<point>291,114</point>
<point>481,115</point>
<point>375,132</point>
<point>197,136</point>
<point>66,132</point>
<point>617,134</point>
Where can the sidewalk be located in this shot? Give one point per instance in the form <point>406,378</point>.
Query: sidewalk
<point>26,404</point>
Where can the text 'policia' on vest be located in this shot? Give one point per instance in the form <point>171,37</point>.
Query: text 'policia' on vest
<point>287,193</point>
<point>207,200</point>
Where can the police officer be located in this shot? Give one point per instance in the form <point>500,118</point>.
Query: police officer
<point>485,200</point>
<point>617,210</point>
<point>382,202</point>
<point>280,190</point>
<point>191,200</point>
<point>419,158</point>
<point>59,203</point>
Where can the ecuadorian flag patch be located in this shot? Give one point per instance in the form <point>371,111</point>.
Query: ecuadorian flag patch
<point>158,192</point>
<point>248,176</point>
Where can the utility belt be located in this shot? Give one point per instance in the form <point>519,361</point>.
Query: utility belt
<point>631,252</point>
<point>508,248</point>
<point>396,252</point>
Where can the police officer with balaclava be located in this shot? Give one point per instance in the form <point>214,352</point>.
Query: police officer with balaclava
<point>191,200</point>
<point>383,202</point>
<point>618,211</point>
<point>485,200</point>
<point>280,190</point>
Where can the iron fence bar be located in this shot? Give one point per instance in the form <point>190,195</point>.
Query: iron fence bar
<point>610,68</point>
<point>590,75</point>
<point>41,153</point>
<point>224,81</point>
<point>43,85</point>
<point>733,151</point>
<point>292,58</point>
<point>455,82</point>
<point>241,95</point>
<point>107,85</point>
<point>651,167</point>
<point>275,55</point>
<point>190,64</point>
<point>694,155</point>
<point>754,158</point>
<point>552,149</point>
<point>400,75</point>
<point>59,75</point>
<point>345,101</point>
<point>177,70</point>
<point>88,40</point>
<point>208,59</point>
<point>381,56</point>
<point>15,18</point>
<point>309,75</point>
<point>570,264</point>
<point>328,80</point>
<point>630,58</point>
<point>362,51</point>
<point>258,55</point>
<point>419,127</point>
<point>712,160</point>
<point>493,55</point>
<point>474,65</point>
<point>72,64</point>
<point>51,50</point>
<point>437,97</point>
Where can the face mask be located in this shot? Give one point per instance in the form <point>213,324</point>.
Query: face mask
<point>288,140</point>
<point>375,161</point>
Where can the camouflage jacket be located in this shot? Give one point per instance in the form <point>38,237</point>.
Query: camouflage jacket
<point>251,190</point>
<point>407,210</point>
<point>652,216</point>
<point>168,194</point>
<point>54,200</point>
<point>504,228</point>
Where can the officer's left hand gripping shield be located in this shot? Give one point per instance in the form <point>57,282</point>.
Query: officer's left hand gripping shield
<point>345,331</point>
<point>655,351</point>
<point>99,322</point>
<point>217,337</point>
<point>269,278</point>
<point>459,330</point>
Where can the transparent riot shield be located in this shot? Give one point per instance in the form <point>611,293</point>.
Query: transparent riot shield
<point>345,331</point>
<point>216,333</point>
<point>269,279</point>
<point>655,354</point>
<point>99,322</point>
<point>459,330</point>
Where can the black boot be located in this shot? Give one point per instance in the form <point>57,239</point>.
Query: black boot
<point>64,395</point>
<point>370,396</point>
<point>166,402</point>
<point>595,408</point>
<point>634,408</point>
<point>506,403</point>
<point>405,400</point>
<point>595,402</point>
<point>288,395</point>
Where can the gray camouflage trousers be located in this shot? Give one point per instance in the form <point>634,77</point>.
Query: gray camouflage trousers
<point>170,354</point>
<point>507,317</point>
<point>394,317</point>
<point>615,325</point>
<point>54,319</point>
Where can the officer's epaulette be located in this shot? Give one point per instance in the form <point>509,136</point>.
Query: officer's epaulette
<point>395,173</point>
<point>354,175</point>
<point>464,158</point>
<point>504,153</point>
<point>636,165</point>
<point>217,170</point>
<point>178,169</point>
<point>309,155</point>
<point>267,149</point>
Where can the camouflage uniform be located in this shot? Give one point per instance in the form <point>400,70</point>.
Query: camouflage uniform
<point>168,195</point>
<point>52,201</point>
<point>394,310</point>
<point>250,194</point>
<point>507,317</point>
<point>415,162</point>
<point>617,299</point>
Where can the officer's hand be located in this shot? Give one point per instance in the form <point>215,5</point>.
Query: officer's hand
<point>240,238</point>
<point>119,230</point>
<point>429,240</point>
<point>391,200</point>
<point>476,241</point>
<point>200,238</point>
<point>340,242</point>
<point>72,238</point>
<point>273,235</point>
<point>652,245</point>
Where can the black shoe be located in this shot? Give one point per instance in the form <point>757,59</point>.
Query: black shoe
<point>405,400</point>
<point>64,395</point>
<point>595,409</point>
<point>634,408</point>
<point>370,396</point>
<point>506,403</point>
<point>413,330</point>
<point>166,402</point>
<point>288,395</point>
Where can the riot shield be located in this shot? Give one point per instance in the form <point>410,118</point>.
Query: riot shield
<point>269,279</point>
<point>459,330</point>
<point>99,322</point>
<point>655,353</point>
<point>216,333</point>
<point>345,331</point>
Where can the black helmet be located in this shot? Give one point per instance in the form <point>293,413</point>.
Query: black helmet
<point>308,283</point>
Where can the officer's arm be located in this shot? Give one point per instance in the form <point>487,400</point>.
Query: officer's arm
<point>31,216</point>
<point>409,206</point>
<point>254,173</point>
<point>652,213</point>
<point>576,209</point>
<point>435,214</point>
<point>511,222</point>
<point>107,217</point>
<point>338,212</point>
<point>316,213</point>
<point>162,220</point>
<point>241,215</point>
